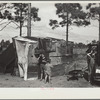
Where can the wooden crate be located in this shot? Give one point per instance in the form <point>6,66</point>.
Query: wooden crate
<point>58,70</point>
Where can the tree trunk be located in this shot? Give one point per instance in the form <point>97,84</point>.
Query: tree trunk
<point>67,26</point>
<point>21,20</point>
<point>29,20</point>
<point>99,27</point>
<point>20,28</point>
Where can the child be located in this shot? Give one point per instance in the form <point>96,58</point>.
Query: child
<point>42,62</point>
<point>48,67</point>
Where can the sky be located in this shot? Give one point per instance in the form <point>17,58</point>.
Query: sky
<point>47,11</point>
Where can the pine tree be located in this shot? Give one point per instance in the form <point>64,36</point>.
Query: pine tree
<point>71,14</point>
<point>94,13</point>
<point>20,13</point>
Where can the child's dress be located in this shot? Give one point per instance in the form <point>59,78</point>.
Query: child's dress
<point>48,67</point>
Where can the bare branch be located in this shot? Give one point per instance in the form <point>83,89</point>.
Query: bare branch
<point>1,20</point>
<point>15,23</point>
<point>5,25</point>
<point>95,18</point>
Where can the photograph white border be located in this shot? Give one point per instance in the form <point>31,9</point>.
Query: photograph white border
<point>50,93</point>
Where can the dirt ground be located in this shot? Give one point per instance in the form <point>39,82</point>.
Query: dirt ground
<point>79,62</point>
<point>57,81</point>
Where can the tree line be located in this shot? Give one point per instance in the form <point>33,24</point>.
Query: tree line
<point>70,13</point>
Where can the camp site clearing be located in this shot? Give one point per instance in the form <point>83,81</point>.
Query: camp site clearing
<point>6,80</point>
<point>25,50</point>
<point>59,72</point>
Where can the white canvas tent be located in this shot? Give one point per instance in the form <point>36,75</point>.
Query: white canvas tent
<point>22,49</point>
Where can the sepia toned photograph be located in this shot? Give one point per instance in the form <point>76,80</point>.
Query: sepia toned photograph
<point>55,45</point>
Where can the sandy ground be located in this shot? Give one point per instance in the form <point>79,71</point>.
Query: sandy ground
<point>57,81</point>
<point>6,80</point>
